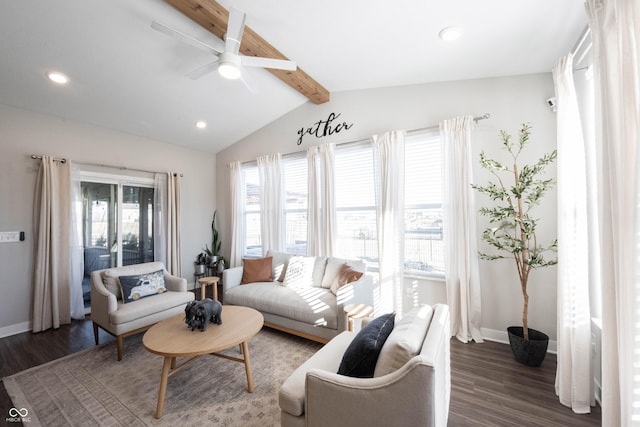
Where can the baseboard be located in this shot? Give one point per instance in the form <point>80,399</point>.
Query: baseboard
<point>18,328</point>
<point>503,337</point>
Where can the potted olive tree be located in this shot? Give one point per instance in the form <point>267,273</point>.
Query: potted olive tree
<point>516,191</point>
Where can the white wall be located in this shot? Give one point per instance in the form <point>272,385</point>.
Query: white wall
<point>510,101</point>
<point>23,133</point>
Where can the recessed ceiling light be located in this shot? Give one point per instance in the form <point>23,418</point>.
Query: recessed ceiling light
<point>450,34</point>
<point>201,124</point>
<point>58,77</point>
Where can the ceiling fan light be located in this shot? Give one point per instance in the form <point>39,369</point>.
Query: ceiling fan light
<point>229,71</point>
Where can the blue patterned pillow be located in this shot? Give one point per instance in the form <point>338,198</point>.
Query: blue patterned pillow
<point>142,285</point>
<point>360,358</point>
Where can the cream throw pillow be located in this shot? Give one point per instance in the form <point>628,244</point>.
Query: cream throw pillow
<point>405,341</point>
<point>299,272</point>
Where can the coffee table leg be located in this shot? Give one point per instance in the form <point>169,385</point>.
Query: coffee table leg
<point>166,367</point>
<point>247,365</point>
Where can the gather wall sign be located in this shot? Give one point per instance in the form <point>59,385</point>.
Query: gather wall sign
<point>323,128</point>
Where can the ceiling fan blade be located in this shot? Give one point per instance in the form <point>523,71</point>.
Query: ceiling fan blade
<point>216,45</point>
<point>257,61</point>
<point>202,70</point>
<point>247,82</point>
<point>235,28</point>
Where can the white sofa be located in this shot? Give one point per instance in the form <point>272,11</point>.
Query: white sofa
<point>312,311</point>
<point>411,385</point>
<point>110,313</point>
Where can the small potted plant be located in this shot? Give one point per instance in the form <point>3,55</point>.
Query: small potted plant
<point>214,252</point>
<point>201,263</point>
<point>512,231</point>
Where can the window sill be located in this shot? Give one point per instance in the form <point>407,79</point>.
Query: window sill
<point>435,277</point>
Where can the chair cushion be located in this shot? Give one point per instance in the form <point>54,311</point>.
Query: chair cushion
<point>148,306</point>
<point>362,354</point>
<point>257,270</point>
<point>405,341</point>
<point>292,393</point>
<point>139,286</point>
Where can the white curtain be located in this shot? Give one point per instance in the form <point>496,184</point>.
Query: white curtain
<point>574,384</point>
<point>321,223</point>
<point>166,223</point>
<point>271,203</point>
<point>459,225</point>
<point>52,245</point>
<point>237,213</point>
<point>388,150</point>
<point>615,29</point>
<point>77,248</point>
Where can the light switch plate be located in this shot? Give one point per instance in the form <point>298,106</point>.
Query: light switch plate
<point>9,236</point>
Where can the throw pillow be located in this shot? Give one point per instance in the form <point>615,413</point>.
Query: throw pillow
<point>142,285</point>
<point>111,282</point>
<point>405,341</point>
<point>359,360</point>
<point>334,265</point>
<point>345,275</point>
<point>256,270</point>
<point>299,272</point>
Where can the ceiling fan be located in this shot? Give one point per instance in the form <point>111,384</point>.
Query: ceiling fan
<point>227,60</point>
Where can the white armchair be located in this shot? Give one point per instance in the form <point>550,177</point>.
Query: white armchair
<point>416,394</point>
<point>110,313</point>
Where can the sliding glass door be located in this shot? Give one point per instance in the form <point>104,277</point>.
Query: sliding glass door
<point>117,224</point>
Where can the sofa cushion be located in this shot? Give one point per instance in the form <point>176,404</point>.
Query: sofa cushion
<point>405,341</point>
<point>292,392</point>
<point>362,354</point>
<point>333,268</point>
<point>139,286</point>
<point>144,307</point>
<point>279,264</point>
<point>346,275</point>
<point>257,270</point>
<point>299,272</point>
<point>315,306</point>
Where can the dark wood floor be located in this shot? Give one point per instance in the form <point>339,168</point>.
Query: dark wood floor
<point>488,387</point>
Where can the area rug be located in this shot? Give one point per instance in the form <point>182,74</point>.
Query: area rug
<point>92,388</point>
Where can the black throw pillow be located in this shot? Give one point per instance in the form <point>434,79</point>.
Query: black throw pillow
<point>359,360</point>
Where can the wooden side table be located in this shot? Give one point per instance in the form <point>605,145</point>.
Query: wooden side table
<point>356,311</point>
<point>212,280</point>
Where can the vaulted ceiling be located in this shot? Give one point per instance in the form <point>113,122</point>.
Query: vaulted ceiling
<point>128,77</point>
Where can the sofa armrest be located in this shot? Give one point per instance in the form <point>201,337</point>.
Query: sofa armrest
<point>402,398</point>
<point>231,278</point>
<point>175,283</point>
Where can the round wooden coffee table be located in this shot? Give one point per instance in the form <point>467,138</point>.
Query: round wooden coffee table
<point>171,338</point>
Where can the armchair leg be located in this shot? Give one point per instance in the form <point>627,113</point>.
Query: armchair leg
<point>119,343</point>
<point>95,332</point>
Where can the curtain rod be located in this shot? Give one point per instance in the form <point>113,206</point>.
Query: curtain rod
<point>476,119</point>
<point>63,160</point>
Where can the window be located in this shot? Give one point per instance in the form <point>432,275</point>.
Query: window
<point>253,240</point>
<point>423,244</point>
<point>296,194</point>
<point>355,203</point>
<point>294,176</point>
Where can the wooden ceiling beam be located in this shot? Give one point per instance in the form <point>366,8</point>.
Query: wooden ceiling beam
<point>213,17</point>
